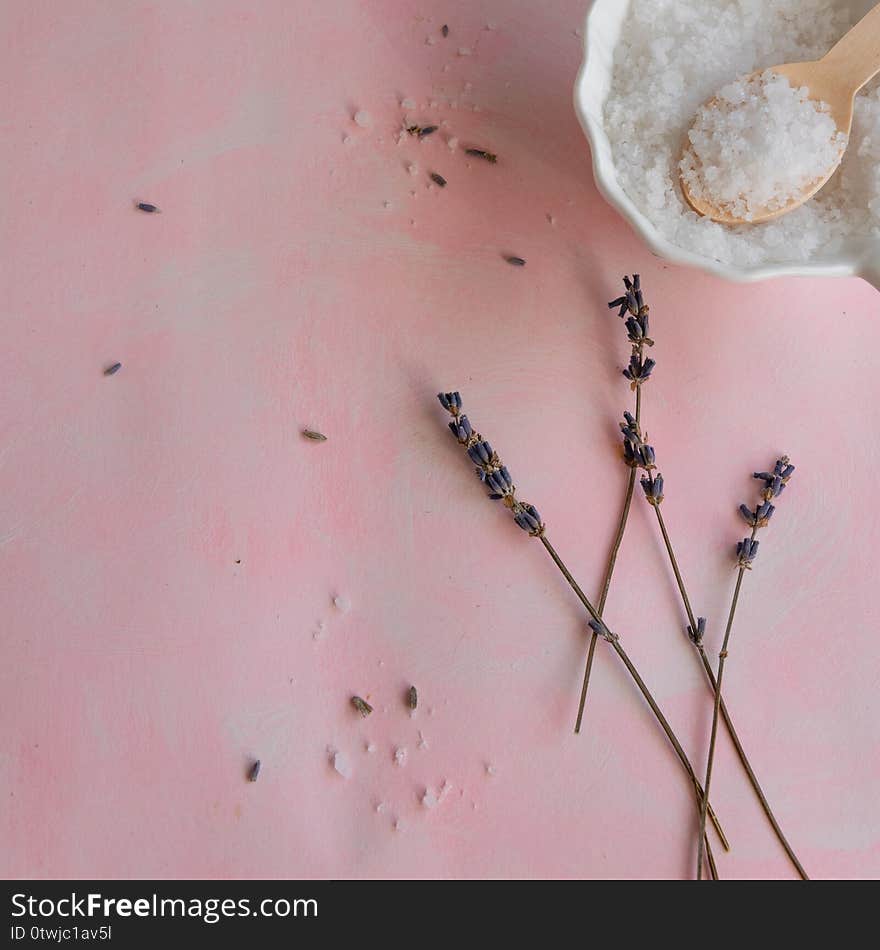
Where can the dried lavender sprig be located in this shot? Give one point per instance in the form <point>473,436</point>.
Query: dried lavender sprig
<point>638,454</point>
<point>489,468</point>
<point>633,308</point>
<point>746,552</point>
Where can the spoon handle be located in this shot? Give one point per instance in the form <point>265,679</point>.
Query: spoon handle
<point>855,59</point>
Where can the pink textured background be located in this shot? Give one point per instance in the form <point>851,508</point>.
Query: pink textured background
<point>144,667</point>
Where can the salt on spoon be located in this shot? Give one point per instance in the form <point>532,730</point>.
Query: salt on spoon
<point>810,121</point>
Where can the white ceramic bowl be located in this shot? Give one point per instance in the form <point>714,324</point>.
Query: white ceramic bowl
<point>604,25</point>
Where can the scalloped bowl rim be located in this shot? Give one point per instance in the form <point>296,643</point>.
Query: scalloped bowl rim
<point>595,74</point>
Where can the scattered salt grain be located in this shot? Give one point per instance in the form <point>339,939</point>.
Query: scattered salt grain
<point>430,40</point>
<point>362,118</point>
<point>452,142</point>
<point>341,602</point>
<point>398,825</point>
<point>370,747</point>
<point>346,139</point>
<point>400,756</point>
<point>759,145</point>
<point>551,219</point>
<point>380,807</point>
<point>412,168</point>
<point>490,769</point>
<point>341,764</point>
<point>464,51</point>
<point>684,58</point>
<point>429,799</point>
<point>423,742</point>
<point>408,103</point>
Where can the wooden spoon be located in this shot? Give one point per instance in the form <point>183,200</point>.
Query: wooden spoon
<point>835,79</point>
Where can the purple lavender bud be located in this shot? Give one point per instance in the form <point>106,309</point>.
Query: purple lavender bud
<point>748,515</point>
<point>696,636</point>
<point>615,304</point>
<point>461,429</point>
<point>631,420</point>
<point>480,453</point>
<point>448,401</point>
<point>653,488</point>
<point>646,455</point>
<point>746,552</point>
<point>634,328</point>
<point>599,628</point>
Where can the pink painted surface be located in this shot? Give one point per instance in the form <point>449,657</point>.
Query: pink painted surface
<point>145,667</point>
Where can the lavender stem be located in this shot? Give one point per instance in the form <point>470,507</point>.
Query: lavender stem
<point>705,808</point>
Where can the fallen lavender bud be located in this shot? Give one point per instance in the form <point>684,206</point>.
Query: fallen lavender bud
<point>254,772</point>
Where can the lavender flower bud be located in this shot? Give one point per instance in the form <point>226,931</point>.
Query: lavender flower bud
<point>461,429</point>
<point>599,628</point>
<point>500,483</point>
<point>746,552</point>
<point>653,488</point>
<point>481,453</point>
<point>639,370</point>
<point>696,636</point>
<point>748,515</point>
<point>527,517</point>
<point>764,513</point>
<point>451,402</point>
<point>646,456</point>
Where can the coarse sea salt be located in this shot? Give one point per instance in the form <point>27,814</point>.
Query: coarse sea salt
<point>758,145</point>
<point>671,58</point>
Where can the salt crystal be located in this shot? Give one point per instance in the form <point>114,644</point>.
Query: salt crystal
<point>412,168</point>
<point>341,764</point>
<point>684,58</point>
<point>760,146</point>
<point>341,602</point>
<point>408,103</point>
<point>490,769</point>
<point>430,40</point>
<point>464,51</point>
<point>380,807</point>
<point>346,139</point>
<point>362,118</point>
<point>452,142</point>
<point>386,204</point>
<point>370,747</point>
<point>400,756</point>
<point>551,219</point>
<point>468,86</point>
<point>423,742</point>
<point>429,799</point>
<point>398,825</point>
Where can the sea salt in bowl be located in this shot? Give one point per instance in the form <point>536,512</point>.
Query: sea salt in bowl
<point>820,248</point>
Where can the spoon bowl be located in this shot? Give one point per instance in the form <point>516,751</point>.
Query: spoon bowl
<point>833,81</point>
